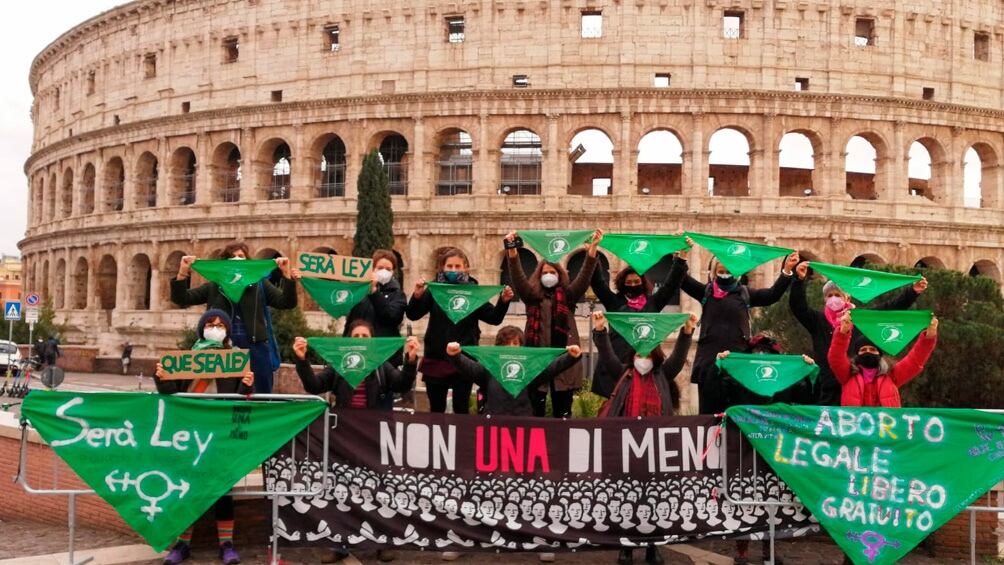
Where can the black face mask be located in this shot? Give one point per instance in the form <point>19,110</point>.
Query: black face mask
<point>726,284</point>
<point>868,360</point>
<point>634,291</point>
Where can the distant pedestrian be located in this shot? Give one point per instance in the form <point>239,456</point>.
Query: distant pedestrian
<point>126,357</point>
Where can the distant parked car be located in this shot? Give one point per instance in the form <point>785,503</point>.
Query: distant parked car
<point>10,355</point>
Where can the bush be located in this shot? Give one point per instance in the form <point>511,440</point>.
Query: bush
<point>45,327</point>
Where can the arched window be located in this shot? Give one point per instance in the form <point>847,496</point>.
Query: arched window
<point>796,162</point>
<point>393,153</point>
<point>146,181</point>
<point>729,163</point>
<point>332,169</point>
<point>183,171</point>
<point>860,168</point>
<point>592,161</point>
<point>455,160</point>
<point>521,160</point>
<point>660,163</point>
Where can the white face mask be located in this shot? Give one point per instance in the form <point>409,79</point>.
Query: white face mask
<point>383,276</point>
<point>215,334</point>
<point>237,258</point>
<point>549,280</point>
<point>643,365</point>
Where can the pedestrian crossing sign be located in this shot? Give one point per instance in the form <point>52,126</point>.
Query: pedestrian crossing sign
<point>12,310</point>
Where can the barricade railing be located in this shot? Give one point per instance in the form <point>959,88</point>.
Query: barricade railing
<point>242,488</point>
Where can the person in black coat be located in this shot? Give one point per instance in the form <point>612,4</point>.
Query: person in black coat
<point>372,392</point>
<point>725,318</point>
<point>498,401</point>
<point>633,293</point>
<point>439,374</point>
<point>250,330</point>
<point>384,306</point>
<point>821,323</point>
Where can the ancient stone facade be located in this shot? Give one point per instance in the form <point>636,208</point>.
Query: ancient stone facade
<point>165,128</point>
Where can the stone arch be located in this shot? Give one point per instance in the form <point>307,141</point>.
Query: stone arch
<point>59,285</point>
<point>66,194</point>
<point>521,159</point>
<point>168,272</point>
<point>107,282</point>
<point>591,159</point>
<point>78,284</point>
<point>139,281</point>
<point>145,180</point>
<point>864,172</point>
<point>114,183</point>
<point>981,176</point>
<point>330,177</point>
<point>986,268</point>
<point>45,280</point>
<point>797,152</point>
<point>660,162</point>
<point>274,162</point>
<point>577,259</point>
<point>868,259</point>
<point>527,259</point>
<point>730,161</point>
<point>227,170</point>
<point>927,169</point>
<point>454,162</point>
<point>394,151</point>
<point>183,175</point>
<point>929,262</point>
<point>87,184</point>
<point>50,198</point>
<point>38,200</point>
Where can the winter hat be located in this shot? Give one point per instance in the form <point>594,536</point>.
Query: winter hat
<point>210,314</point>
<point>764,342</point>
<point>862,341</point>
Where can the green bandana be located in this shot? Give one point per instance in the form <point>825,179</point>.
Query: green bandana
<point>891,330</point>
<point>767,375</point>
<point>555,244</point>
<point>233,276</point>
<point>161,461</point>
<point>863,284</point>
<point>739,257</point>
<point>335,297</point>
<point>461,300</point>
<point>878,480</point>
<point>642,251</point>
<point>644,332</point>
<point>514,367</point>
<point>354,358</point>
<point>206,344</point>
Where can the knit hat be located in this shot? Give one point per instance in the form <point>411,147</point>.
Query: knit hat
<point>210,314</point>
<point>862,341</point>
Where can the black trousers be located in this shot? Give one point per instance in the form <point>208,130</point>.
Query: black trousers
<point>437,389</point>
<point>561,402</point>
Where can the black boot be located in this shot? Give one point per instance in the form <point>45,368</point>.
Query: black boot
<point>626,557</point>
<point>653,556</point>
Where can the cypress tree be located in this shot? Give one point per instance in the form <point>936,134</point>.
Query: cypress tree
<point>374,217</point>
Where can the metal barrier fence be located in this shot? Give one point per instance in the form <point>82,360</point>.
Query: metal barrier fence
<point>772,506</point>
<point>242,488</point>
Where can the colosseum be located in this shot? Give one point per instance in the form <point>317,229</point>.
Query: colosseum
<point>168,127</point>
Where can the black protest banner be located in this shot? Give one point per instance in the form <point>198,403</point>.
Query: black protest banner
<point>466,483</point>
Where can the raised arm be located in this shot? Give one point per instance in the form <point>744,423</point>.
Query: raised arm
<point>467,367</point>
<point>281,296</point>
<point>315,383</point>
<point>672,366</point>
<point>494,314</point>
<point>837,358</point>
<point>418,306</point>
<point>402,380</point>
<point>578,287</point>
<point>184,296</point>
<point>610,300</point>
<point>672,284</point>
<point>517,276</point>
<point>693,287</point>
<point>914,362</point>
<point>604,350</point>
<point>768,296</point>
<point>902,301</point>
<point>799,305</point>
<point>562,363</point>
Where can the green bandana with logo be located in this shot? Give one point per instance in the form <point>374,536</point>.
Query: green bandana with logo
<point>863,284</point>
<point>461,300</point>
<point>891,330</point>
<point>739,257</point>
<point>555,244</point>
<point>767,375</point>
<point>234,276</point>
<point>354,358</point>
<point>642,251</point>
<point>644,332</point>
<point>514,367</point>
<point>335,297</point>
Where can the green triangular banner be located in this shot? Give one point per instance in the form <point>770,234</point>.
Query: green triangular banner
<point>878,481</point>
<point>461,300</point>
<point>161,461</point>
<point>555,244</point>
<point>739,257</point>
<point>335,297</point>
<point>514,367</point>
<point>767,375</point>
<point>233,276</point>
<point>354,358</point>
<point>891,330</point>
<point>644,332</point>
<point>642,251</point>
<point>863,284</point>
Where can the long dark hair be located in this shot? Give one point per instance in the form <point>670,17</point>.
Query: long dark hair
<point>534,279</point>
<point>621,278</point>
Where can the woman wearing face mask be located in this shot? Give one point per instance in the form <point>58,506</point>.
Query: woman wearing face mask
<point>643,389</point>
<point>821,323</point>
<point>550,300</point>
<point>250,328</point>
<point>867,379</point>
<point>439,374</point>
<point>725,320</point>
<point>212,332</point>
<point>384,306</point>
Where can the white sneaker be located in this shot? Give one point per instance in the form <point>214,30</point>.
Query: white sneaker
<point>450,556</point>
<point>546,558</point>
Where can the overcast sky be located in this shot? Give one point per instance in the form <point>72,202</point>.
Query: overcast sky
<point>33,25</point>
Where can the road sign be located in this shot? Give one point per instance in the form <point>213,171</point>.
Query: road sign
<point>31,314</point>
<point>12,310</point>
<point>32,299</point>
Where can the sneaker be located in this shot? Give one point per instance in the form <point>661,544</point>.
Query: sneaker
<point>625,557</point>
<point>546,557</point>
<point>450,556</point>
<point>653,556</point>
<point>228,554</point>
<point>179,553</point>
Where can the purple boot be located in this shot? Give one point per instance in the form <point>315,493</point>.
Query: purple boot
<point>179,553</point>
<point>228,554</point>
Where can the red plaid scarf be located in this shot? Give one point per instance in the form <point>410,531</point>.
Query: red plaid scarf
<point>559,321</point>
<point>643,397</point>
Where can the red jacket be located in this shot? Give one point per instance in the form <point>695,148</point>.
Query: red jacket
<point>853,385</point>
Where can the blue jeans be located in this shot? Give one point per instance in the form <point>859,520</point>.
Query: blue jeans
<point>261,363</point>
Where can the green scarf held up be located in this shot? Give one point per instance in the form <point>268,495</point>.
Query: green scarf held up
<point>234,276</point>
<point>891,330</point>
<point>337,298</point>
<point>354,358</point>
<point>555,244</point>
<point>769,374</point>
<point>461,300</point>
<point>739,257</point>
<point>642,251</point>
<point>863,284</point>
<point>514,367</point>
<point>644,332</point>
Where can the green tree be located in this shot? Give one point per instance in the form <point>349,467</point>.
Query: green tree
<point>967,367</point>
<point>374,217</point>
<point>45,327</point>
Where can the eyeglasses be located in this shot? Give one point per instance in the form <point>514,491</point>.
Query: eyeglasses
<point>220,326</point>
